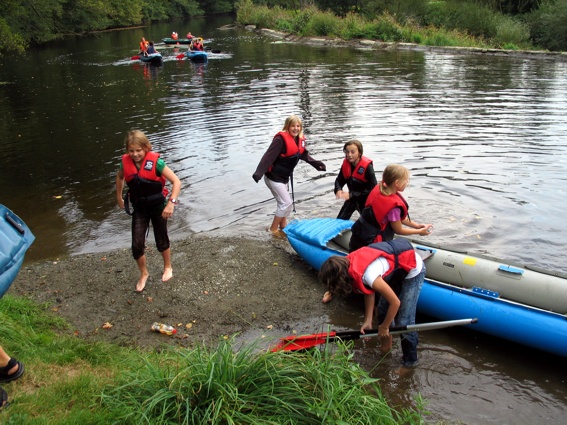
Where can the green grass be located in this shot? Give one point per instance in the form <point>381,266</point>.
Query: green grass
<point>70,381</point>
<point>478,27</point>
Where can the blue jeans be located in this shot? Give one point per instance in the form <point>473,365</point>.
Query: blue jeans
<point>406,315</point>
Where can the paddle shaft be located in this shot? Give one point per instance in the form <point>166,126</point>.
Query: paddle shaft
<point>292,343</point>
<point>350,335</point>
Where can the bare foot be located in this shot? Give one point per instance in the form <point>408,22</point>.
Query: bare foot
<point>142,283</point>
<point>327,296</point>
<point>167,274</point>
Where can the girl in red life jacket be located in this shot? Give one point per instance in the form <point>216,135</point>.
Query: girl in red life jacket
<point>357,172</point>
<point>277,165</point>
<point>143,46</point>
<point>386,212</point>
<point>197,45</point>
<point>145,174</point>
<point>395,272</point>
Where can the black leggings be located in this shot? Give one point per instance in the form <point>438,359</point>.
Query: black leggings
<point>140,225</point>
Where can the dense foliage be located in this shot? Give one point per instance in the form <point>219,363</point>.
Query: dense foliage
<point>509,24</point>
<point>501,23</point>
<point>26,23</point>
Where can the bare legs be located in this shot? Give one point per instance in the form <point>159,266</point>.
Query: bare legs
<point>278,223</point>
<point>167,269</point>
<point>4,359</point>
<point>144,274</point>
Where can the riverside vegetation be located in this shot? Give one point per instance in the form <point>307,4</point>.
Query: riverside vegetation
<point>433,23</point>
<point>506,24</point>
<point>70,381</point>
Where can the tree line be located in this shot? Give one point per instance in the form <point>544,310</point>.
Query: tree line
<point>541,23</point>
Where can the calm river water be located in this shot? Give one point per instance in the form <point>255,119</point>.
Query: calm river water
<point>483,136</point>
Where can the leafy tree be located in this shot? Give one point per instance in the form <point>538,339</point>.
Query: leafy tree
<point>549,25</point>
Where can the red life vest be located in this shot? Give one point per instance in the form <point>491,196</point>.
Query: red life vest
<point>382,204</point>
<point>359,171</point>
<point>145,187</point>
<point>286,162</point>
<point>400,256</point>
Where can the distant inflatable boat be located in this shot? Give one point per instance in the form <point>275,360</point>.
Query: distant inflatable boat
<point>154,58</point>
<point>197,56</point>
<point>512,302</point>
<point>15,239</point>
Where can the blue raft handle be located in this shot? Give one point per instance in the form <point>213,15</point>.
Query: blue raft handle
<point>14,224</point>
<point>510,269</point>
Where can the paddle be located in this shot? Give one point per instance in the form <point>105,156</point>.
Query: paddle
<point>293,343</point>
<point>135,58</point>
<point>180,56</point>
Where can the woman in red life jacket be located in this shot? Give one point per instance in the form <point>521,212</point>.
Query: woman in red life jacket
<point>143,46</point>
<point>357,172</point>
<point>145,173</point>
<point>395,272</point>
<point>174,35</point>
<point>277,165</point>
<point>197,45</point>
<point>386,212</point>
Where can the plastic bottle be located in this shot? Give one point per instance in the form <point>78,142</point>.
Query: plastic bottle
<point>164,329</point>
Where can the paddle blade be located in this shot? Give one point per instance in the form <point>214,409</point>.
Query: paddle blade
<point>135,58</point>
<point>181,56</point>
<point>294,343</point>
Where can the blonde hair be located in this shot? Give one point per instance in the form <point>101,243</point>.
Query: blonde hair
<point>391,173</point>
<point>291,120</point>
<point>137,138</point>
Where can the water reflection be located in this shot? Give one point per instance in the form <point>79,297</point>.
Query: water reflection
<point>482,136</point>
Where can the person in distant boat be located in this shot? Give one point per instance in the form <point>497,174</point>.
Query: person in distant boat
<point>10,370</point>
<point>143,46</point>
<point>145,173</point>
<point>197,45</point>
<point>151,49</point>
<point>395,272</point>
<point>189,36</point>
<point>386,211</point>
<point>174,35</point>
<point>357,172</point>
<point>277,165</point>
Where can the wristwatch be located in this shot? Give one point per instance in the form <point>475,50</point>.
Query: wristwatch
<point>173,201</point>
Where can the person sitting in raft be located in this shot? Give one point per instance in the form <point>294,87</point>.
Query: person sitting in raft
<point>143,47</point>
<point>197,45</point>
<point>189,36</point>
<point>174,35</point>
<point>151,49</point>
<point>393,270</point>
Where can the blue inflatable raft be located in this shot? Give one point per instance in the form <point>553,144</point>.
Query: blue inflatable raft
<point>15,239</point>
<point>512,302</point>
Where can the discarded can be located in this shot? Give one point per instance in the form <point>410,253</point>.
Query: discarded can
<point>164,329</point>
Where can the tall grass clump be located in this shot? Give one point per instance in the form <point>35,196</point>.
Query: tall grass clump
<point>221,386</point>
<point>322,24</point>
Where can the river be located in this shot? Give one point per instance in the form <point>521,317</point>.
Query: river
<point>483,136</point>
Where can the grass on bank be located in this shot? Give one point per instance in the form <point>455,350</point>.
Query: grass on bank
<point>504,32</point>
<point>70,381</point>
